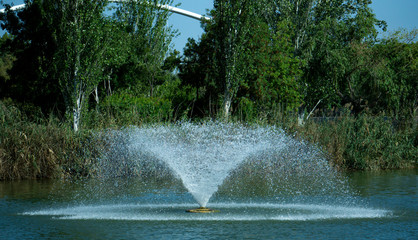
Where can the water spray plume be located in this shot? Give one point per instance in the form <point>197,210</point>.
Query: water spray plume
<point>204,156</point>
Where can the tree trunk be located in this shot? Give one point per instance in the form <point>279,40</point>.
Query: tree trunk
<point>227,108</point>
<point>96,95</point>
<point>77,115</point>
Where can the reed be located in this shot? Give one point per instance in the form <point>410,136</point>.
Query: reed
<point>364,142</point>
<point>46,148</point>
<point>39,147</point>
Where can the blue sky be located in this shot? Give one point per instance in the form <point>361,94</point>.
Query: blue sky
<point>397,13</point>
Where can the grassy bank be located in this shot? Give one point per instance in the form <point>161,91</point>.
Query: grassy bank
<point>48,148</point>
<point>42,148</point>
<point>364,142</point>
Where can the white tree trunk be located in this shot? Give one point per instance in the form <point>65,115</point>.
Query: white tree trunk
<point>96,94</point>
<point>77,113</point>
<point>227,107</point>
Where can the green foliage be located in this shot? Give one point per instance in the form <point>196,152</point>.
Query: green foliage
<point>365,142</point>
<point>31,46</point>
<point>128,109</point>
<point>324,34</point>
<point>398,56</point>
<point>43,149</point>
<point>81,46</point>
<point>241,59</point>
<point>6,63</point>
<point>199,76</point>
<point>257,61</point>
<point>234,21</point>
<point>272,72</point>
<point>68,47</point>
<point>147,41</point>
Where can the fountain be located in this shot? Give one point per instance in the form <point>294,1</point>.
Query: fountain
<point>259,180</point>
<point>241,172</point>
<point>224,159</point>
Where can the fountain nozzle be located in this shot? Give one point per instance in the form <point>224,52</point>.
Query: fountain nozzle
<point>202,210</point>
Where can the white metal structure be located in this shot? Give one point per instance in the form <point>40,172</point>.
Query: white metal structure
<point>14,8</point>
<point>167,7</point>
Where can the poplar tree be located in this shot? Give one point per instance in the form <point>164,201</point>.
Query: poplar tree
<point>232,23</point>
<point>81,45</point>
<point>148,37</point>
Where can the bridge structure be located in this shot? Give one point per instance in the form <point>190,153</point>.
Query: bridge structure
<point>166,7</point>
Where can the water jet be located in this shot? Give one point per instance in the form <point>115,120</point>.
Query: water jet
<point>224,162</point>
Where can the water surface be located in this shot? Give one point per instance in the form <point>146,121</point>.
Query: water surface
<point>385,207</point>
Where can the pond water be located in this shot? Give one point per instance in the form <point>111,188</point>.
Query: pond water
<point>383,206</point>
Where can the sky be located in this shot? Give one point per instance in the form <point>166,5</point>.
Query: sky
<point>397,13</point>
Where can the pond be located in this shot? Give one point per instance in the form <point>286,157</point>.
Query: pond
<point>383,206</point>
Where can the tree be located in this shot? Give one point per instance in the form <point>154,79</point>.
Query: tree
<point>271,75</point>
<point>196,70</point>
<point>401,51</point>
<point>60,45</point>
<point>242,59</point>
<point>231,25</point>
<point>391,85</point>
<point>6,63</point>
<point>330,28</point>
<point>81,46</point>
<point>148,40</point>
<point>32,45</point>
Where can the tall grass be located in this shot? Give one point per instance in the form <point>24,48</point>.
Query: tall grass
<point>364,142</point>
<point>46,148</point>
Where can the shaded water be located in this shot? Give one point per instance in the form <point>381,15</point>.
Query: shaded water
<point>386,208</point>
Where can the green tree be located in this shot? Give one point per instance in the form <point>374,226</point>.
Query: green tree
<point>32,45</point>
<point>403,54</point>
<point>6,63</point>
<point>243,60</point>
<point>232,21</point>
<point>330,29</point>
<point>196,70</point>
<point>271,75</point>
<point>81,47</point>
<point>61,47</point>
<point>148,42</point>
<point>393,85</point>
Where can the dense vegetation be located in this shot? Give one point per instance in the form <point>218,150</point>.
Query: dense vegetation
<point>69,67</point>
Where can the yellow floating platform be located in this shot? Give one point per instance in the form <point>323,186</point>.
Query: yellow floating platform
<point>202,210</point>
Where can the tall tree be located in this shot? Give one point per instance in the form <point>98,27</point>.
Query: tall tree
<point>6,63</point>
<point>64,42</point>
<point>149,39</point>
<point>271,71</point>
<point>81,46</point>
<point>33,45</point>
<point>322,28</point>
<point>231,25</point>
<point>243,59</point>
<point>197,71</point>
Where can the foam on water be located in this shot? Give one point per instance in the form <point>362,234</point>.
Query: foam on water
<point>229,212</point>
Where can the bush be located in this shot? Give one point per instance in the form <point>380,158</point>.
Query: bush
<point>127,109</point>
